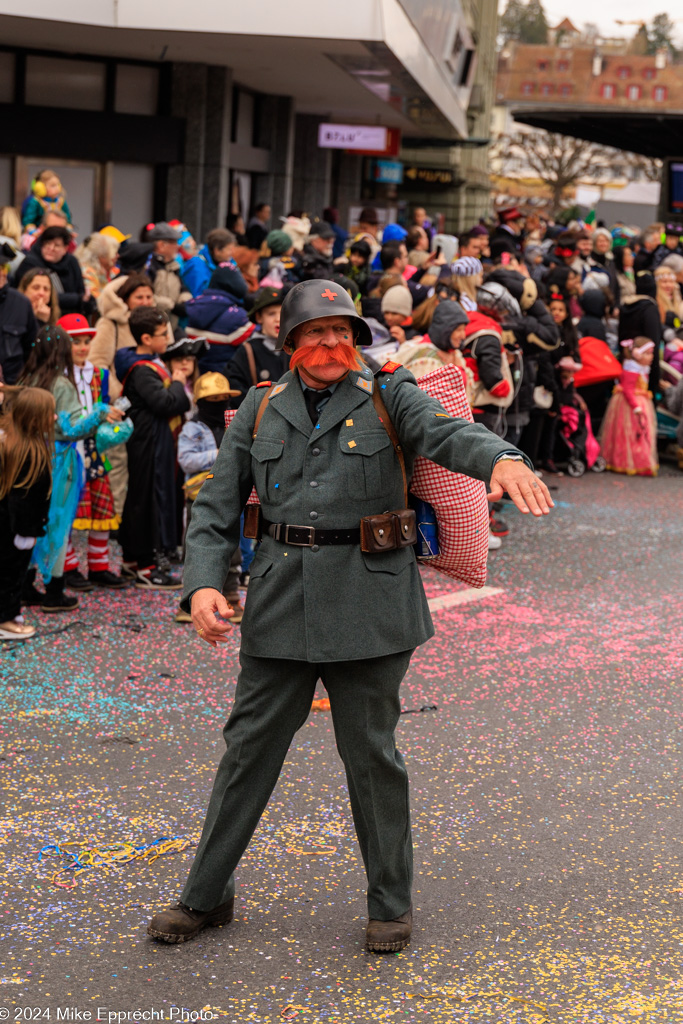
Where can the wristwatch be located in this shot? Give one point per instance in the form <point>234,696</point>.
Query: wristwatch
<point>509,457</point>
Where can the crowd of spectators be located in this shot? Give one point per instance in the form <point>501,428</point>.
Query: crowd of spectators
<point>146,346</point>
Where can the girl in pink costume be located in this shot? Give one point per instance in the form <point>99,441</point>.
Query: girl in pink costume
<point>629,430</point>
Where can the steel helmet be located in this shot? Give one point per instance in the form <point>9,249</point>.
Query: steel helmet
<point>313,299</point>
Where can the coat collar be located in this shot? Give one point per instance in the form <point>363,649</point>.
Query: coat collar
<point>290,403</point>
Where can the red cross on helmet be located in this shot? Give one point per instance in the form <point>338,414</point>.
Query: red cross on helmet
<point>312,299</point>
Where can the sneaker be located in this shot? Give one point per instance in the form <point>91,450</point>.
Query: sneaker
<point>498,527</point>
<point>163,562</point>
<point>494,542</point>
<point>181,616</point>
<point>14,630</point>
<point>75,580</point>
<point>105,578</point>
<point>129,570</point>
<point>244,579</point>
<point>152,578</point>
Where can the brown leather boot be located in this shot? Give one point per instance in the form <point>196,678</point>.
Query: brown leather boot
<point>181,923</point>
<point>389,936</point>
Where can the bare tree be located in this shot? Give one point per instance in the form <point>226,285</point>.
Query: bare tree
<point>561,161</point>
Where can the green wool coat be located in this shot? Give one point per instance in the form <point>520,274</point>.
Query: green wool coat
<point>336,603</point>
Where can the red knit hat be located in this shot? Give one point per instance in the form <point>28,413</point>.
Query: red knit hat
<point>75,324</point>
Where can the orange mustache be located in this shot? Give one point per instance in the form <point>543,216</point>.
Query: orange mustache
<point>313,356</point>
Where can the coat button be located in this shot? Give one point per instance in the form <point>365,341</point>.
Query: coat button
<point>312,515</point>
<point>315,451</point>
<point>314,483</point>
<point>314,547</point>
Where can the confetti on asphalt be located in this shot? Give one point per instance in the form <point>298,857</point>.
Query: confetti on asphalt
<point>546,800</point>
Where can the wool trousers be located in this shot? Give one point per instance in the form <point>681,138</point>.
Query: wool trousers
<point>272,700</point>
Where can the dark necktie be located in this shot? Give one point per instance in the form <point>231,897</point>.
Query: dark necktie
<point>313,400</point>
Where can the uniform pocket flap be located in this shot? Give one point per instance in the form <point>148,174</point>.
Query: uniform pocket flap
<point>259,568</point>
<point>263,449</point>
<point>365,444</point>
<point>390,561</point>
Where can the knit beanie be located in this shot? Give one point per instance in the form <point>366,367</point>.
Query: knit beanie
<point>278,242</point>
<point>467,266</point>
<point>397,300</point>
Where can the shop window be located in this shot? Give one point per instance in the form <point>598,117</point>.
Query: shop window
<point>56,82</point>
<point>624,72</point>
<point>659,93</point>
<point>6,77</point>
<point>137,89</point>
<point>608,91</point>
<point>634,92</point>
<point>528,88</point>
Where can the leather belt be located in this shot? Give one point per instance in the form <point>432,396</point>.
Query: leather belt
<point>308,536</point>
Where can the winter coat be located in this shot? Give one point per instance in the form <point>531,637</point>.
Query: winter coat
<point>482,350</point>
<point>149,515</point>
<point>605,261</point>
<point>18,329</point>
<point>221,318</point>
<point>65,275</point>
<point>269,366</point>
<point>314,266</point>
<point>197,448</point>
<point>197,272</point>
<point>24,510</point>
<point>592,324</point>
<point>113,332</point>
<point>639,315</point>
<point>169,291</point>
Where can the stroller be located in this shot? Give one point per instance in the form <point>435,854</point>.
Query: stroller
<point>575,435</point>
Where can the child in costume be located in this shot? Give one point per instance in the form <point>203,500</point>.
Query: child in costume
<point>95,511</point>
<point>47,196</point>
<point>50,366</point>
<point>158,401</point>
<point>629,430</point>
<point>26,438</point>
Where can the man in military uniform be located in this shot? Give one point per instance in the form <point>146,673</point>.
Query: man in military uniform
<point>318,605</point>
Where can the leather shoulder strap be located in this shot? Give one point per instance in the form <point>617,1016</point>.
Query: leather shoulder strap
<point>261,410</point>
<point>385,420</point>
<point>252,362</point>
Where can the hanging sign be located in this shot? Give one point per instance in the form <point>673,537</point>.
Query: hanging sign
<point>352,136</point>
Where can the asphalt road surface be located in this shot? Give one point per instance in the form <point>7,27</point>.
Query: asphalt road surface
<point>546,796</point>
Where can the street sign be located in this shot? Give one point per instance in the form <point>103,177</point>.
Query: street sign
<point>440,177</point>
<point>352,136</point>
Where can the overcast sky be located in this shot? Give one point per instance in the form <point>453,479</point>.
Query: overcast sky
<point>604,12</point>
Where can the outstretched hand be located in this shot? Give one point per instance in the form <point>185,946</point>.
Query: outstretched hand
<point>528,492</point>
<point>205,604</point>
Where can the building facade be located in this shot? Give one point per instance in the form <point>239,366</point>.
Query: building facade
<point>198,111</point>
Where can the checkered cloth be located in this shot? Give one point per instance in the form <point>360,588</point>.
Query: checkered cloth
<point>230,414</point>
<point>460,503</point>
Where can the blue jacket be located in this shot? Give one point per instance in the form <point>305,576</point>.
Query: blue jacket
<point>224,321</point>
<point>197,271</point>
<point>197,448</point>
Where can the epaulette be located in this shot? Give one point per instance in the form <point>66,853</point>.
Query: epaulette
<point>264,384</point>
<point>391,367</point>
